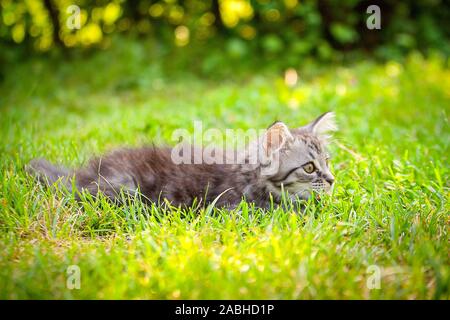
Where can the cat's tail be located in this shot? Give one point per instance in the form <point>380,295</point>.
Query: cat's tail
<point>48,173</point>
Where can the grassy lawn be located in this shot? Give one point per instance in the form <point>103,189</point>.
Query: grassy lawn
<point>389,207</point>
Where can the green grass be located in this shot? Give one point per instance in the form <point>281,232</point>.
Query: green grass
<point>389,207</point>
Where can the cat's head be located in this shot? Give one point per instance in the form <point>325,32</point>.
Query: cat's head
<point>296,160</point>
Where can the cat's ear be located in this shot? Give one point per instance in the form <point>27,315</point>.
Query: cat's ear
<point>323,126</point>
<point>276,137</point>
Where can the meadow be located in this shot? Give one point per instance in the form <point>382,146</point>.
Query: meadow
<point>389,209</point>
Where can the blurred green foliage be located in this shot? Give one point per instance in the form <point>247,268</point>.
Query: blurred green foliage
<point>389,207</point>
<point>291,29</point>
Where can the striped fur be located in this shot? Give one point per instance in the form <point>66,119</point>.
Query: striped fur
<point>151,172</point>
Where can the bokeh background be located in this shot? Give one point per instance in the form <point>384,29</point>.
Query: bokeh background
<point>258,32</point>
<point>137,70</point>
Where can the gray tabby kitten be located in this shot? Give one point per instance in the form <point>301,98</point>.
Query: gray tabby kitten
<point>298,159</point>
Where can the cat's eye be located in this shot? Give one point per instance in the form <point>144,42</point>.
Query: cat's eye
<point>309,167</point>
<point>327,160</point>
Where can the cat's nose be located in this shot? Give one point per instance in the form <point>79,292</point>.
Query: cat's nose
<point>329,179</point>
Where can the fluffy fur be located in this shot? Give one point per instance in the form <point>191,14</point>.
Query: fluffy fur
<point>300,155</point>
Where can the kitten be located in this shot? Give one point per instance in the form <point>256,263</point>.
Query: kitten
<point>297,158</point>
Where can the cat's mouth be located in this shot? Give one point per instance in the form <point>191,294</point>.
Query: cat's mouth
<point>302,195</point>
<point>294,192</point>
<point>318,194</point>
<point>312,194</point>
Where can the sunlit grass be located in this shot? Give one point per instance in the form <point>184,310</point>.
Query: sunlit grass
<point>389,207</point>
